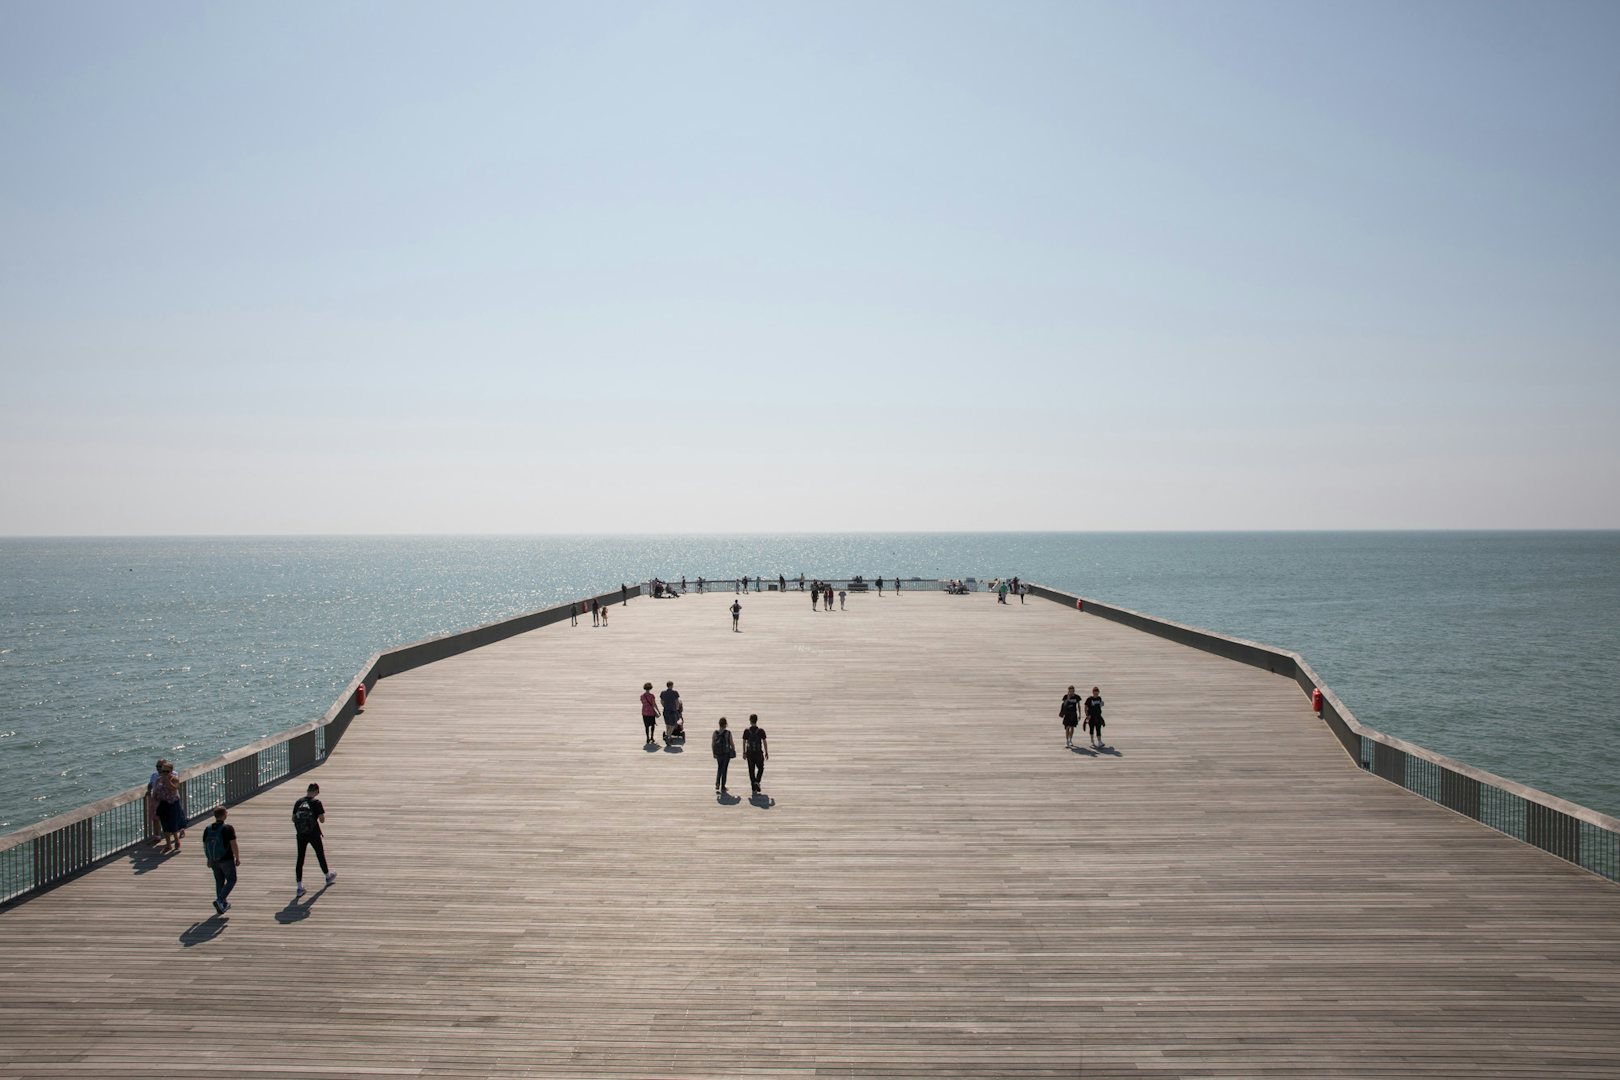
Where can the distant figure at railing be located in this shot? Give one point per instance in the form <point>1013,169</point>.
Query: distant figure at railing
<point>880,586</point>
<point>151,799</point>
<point>624,591</point>
<point>171,814</point>
<point>596,612</point>
<point>801,583</point>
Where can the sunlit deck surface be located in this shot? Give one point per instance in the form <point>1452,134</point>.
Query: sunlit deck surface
<point>936,886</point>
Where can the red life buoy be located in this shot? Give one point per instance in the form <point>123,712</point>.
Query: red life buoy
<point>1316,701</point>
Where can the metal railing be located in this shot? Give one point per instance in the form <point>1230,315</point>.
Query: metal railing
<point>44,854</point>
<point>1572,832</point>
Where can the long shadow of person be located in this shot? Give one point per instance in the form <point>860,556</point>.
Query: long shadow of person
<point>207,930</point>
<point>761,801</point>
<point>1084,751</point>
<point>298,912</point>
<point>145,858</point>
<point>1110,751</point>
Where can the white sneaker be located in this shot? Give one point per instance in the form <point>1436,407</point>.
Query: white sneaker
<point>299,891</point>
<point>331,876</point>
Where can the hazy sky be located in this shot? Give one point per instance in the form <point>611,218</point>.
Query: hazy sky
<point>765,266</point>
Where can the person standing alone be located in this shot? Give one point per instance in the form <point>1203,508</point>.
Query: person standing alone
<point>736,614</point>
<point>755,752</point>
<point>724,750</point>
<point>219,848</point>
<point>308,815</point>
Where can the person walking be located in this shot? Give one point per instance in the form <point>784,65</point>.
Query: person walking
<point>826,603</point>
<point>624,591</point>
<point>736,614</point>
<point>724,750</point>
<point>801,583</point>
<point>841,594</point>
<point>171,814</point>
<point>605,613</point>
<point>781,583</point>
<point>573,614</point>
<point>1001,593</point>
<point>596,616</point>
<point>1070,712</point>
<point>815,596</point>
<point>649,711</point>
<point>219,848</point>
<point>755,752</point>
<point>880,586</point>
<point>897,584</point>
<point>670,699</point>
<point>308,815</point>
<point>1094,719</point>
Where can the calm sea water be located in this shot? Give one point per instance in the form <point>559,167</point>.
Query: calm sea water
<point>1500,649</point>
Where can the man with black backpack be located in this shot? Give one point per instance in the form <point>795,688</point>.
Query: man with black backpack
<point>219,847</point>
<point>307,815</point>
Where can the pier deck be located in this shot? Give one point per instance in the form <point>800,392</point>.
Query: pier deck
<point>935,887</point>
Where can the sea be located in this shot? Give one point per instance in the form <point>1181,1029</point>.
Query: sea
<point>1500,649</point>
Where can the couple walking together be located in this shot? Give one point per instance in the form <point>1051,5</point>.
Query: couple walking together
<point>755,753</point>
<point>1070,712</point>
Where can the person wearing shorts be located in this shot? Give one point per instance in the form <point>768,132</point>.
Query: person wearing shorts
<point>1069,710</point>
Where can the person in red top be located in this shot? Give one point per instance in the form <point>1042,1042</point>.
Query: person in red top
<point>649,711</point>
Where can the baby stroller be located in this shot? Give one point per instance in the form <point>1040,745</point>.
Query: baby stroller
<point>674,726</point>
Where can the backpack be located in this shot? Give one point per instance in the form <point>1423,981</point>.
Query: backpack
<point>304,817</point>
<point>215,849</point>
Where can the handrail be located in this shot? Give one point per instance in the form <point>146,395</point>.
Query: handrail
<point>1574,833</point>
<point>48,852</point>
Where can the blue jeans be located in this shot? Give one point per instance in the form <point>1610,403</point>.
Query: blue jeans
<point>224,878</point>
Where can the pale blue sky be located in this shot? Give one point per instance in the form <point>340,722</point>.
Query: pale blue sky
<point>712,267</point>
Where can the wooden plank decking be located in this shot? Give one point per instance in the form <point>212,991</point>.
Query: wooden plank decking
<point>938,888</point>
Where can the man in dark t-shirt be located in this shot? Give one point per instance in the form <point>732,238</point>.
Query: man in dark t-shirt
<point>219,847</point>
<point>755,751</point>
<point>1094,717</point>
<point>307,815</point>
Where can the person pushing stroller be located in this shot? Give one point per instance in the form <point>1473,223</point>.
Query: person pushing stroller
<point>674,727</point>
